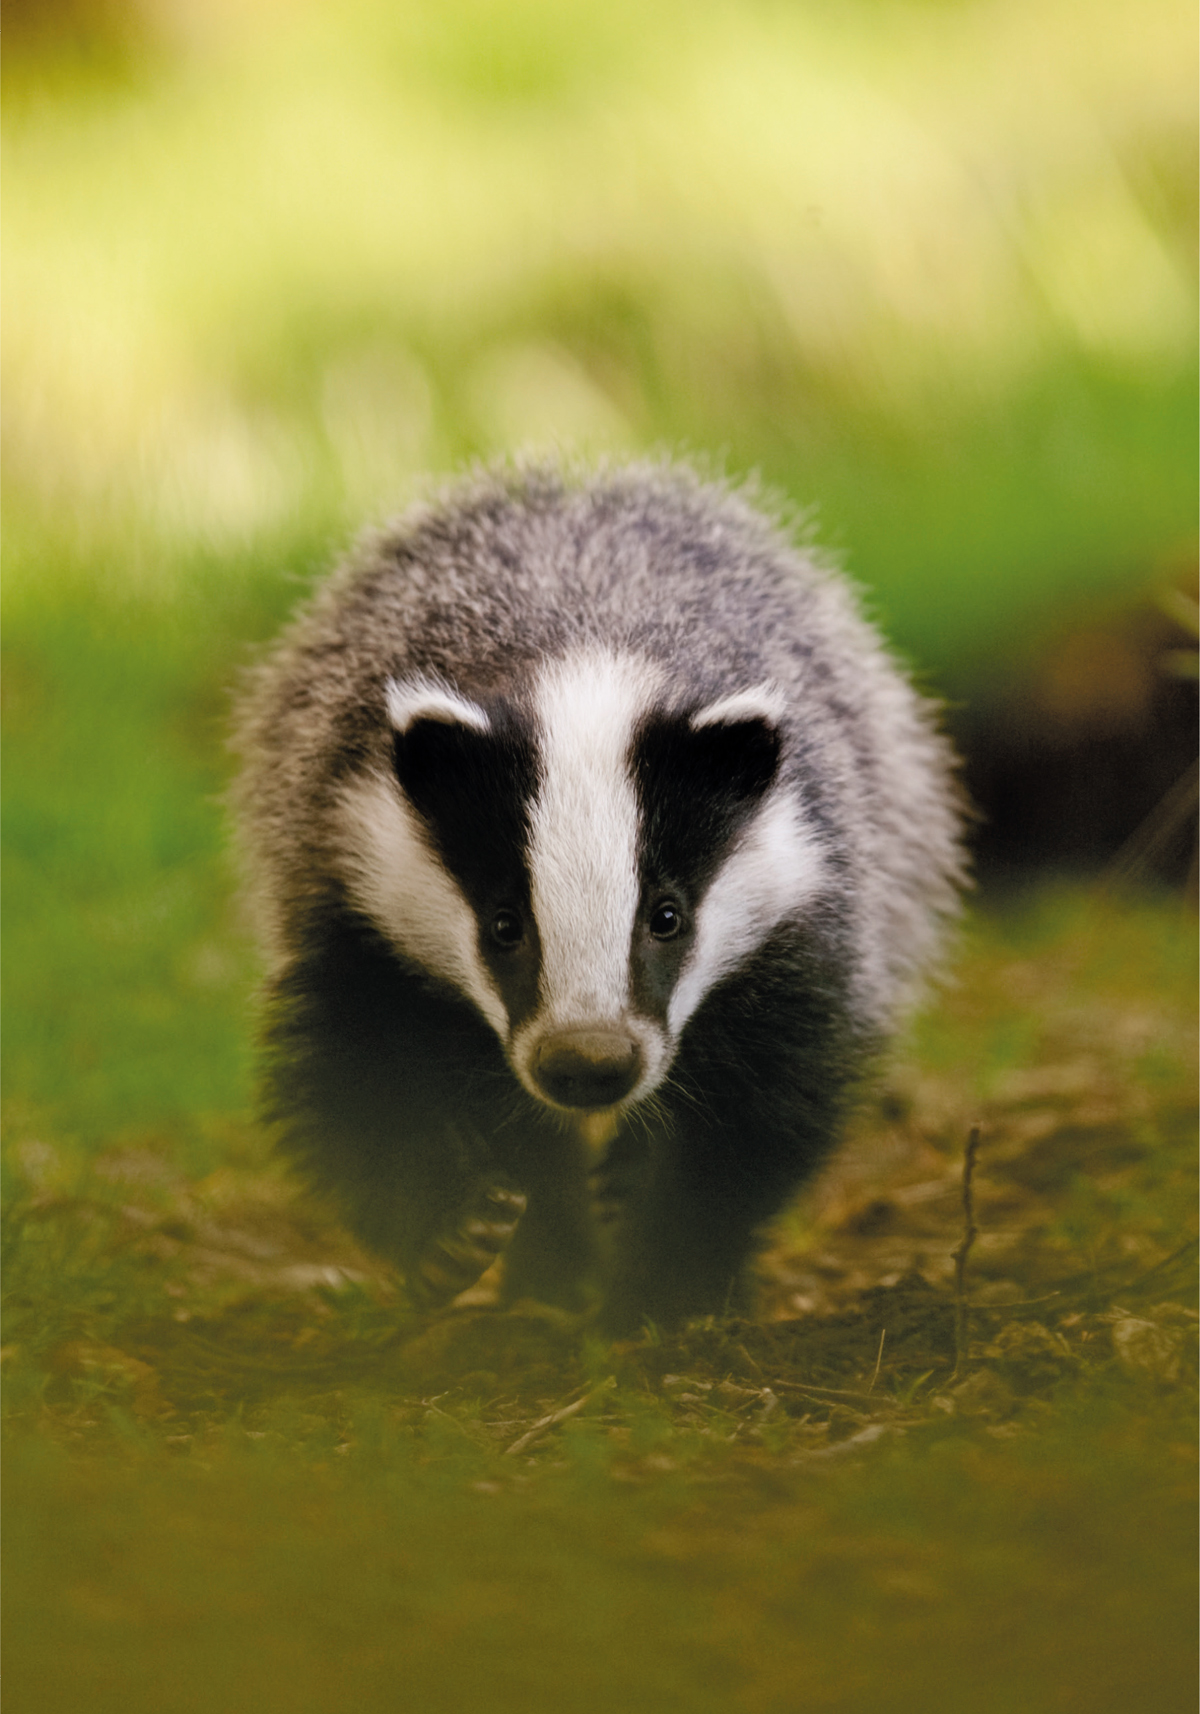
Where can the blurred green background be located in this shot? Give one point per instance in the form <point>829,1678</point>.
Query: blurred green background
<point>928,268</point>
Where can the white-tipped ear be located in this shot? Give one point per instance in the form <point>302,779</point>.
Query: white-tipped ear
<point>420,698</point>
<point>764,702</point>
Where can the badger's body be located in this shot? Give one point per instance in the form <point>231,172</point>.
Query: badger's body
<point>591,831</point>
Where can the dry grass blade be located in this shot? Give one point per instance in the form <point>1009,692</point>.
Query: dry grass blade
<point>539,1428</point>
<point>836,1395</point>
<point>970,1233</point>
<point>1152,837</point>
<point>878,1361</point>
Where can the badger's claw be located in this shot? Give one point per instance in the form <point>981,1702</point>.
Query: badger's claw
<point>456,1258</point>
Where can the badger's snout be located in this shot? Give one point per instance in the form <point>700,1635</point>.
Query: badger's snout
<point>587,1067</point>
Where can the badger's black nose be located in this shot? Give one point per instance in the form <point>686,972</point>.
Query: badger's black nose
<point>587,1068</point>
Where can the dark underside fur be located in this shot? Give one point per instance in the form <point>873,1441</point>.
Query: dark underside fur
<point>394,1095</point>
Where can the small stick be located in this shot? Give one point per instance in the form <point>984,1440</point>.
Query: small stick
<point>970,1232</point>
<point>825,1394</point>
<point>539,1428</point>
<point>878,1361</point>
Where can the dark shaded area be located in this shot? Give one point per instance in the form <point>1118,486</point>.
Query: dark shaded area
<point>1081,753</point>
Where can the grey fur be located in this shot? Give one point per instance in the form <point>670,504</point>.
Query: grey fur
<point>514,566</point>
<point>511,565</point>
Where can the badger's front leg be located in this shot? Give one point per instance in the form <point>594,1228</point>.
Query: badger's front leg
<point>405,1140</point>
<point>553,1254</point>
<point>690,1218</point>
<point>545,1233</point>
<point>455,1257</point>
<point>680,1250</point>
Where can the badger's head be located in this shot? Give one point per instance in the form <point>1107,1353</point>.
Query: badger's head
<point>583,864</point>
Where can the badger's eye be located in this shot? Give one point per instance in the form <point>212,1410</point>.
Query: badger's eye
<point>666,920</point>
<point>507,929</point>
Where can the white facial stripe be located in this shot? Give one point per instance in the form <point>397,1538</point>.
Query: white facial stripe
<point>422,698</point>
<point>775,869</point>
<point>397,881</point>
<point>584,834</point>
<point>764,702</point>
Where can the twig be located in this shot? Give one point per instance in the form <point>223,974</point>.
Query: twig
<point>1017,1303</point>
<point>539,1428</point>
<point>827,1394</point>
<point>970,1232</point>
<point>878,1361</point>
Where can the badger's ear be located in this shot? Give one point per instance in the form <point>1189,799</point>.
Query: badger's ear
<point>411,700</point>
<point>437,736</point>
<point>765,703</point>
<point>736,740</point>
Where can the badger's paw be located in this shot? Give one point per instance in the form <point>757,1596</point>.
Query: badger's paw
<point>456,1258</point>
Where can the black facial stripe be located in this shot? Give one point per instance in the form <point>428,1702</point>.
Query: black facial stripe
<point>697,789</point>
<point>472,789</point>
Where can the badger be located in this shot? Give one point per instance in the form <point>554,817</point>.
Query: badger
<point>596,845</point>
